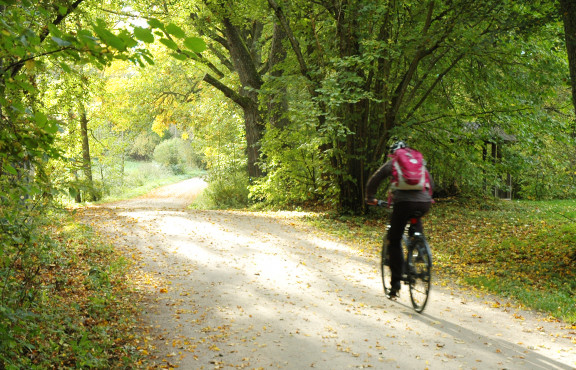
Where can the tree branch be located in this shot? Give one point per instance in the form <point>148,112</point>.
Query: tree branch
<point>436,82</point>
<point>228,92</point>
<point>293,41</point>
<point>23,61</point>
<point>483,113</point>
<point>17,67</point>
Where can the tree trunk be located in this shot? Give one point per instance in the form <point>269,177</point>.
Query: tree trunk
<point>86,160</point>
<point>355,117</point>
<point>253,118</point>
<point>245,64</point>
<point>568,11</point>
<point>277,102</point>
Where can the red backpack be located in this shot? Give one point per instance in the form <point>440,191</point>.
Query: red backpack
<point>409,170</point>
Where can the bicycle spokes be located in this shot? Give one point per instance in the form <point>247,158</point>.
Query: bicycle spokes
<point>419,275</point>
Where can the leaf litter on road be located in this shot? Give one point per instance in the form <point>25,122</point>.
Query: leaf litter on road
<point>253,290</point>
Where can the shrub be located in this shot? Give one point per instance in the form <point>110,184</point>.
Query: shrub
<point>222,192</point>
<point>177,154</point>
<point>144,145</point>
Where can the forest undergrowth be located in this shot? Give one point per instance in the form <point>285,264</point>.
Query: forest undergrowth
<point>65,301</point>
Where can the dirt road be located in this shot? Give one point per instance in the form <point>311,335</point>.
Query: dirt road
<point>255,290</point>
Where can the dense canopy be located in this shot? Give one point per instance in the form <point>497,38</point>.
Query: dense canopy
<point>288,102</point>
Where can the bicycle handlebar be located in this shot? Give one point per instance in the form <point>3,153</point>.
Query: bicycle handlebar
<point>379,203</point>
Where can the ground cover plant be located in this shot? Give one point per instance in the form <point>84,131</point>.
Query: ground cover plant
<point>65,301</point>
<point>518,249</point>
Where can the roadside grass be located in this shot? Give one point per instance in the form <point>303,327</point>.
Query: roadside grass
<point>523,250</point>
<point>75,307</point>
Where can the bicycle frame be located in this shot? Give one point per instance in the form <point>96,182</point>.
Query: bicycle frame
<point>412,233</point>
<point>416,267</point>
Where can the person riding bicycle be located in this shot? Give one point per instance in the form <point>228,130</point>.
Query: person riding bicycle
<point>407,203</point>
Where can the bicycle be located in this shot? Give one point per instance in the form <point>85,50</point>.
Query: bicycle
<point>417,267</point>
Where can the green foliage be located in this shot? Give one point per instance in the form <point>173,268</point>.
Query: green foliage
<point>219,138</point>
<point>452,77</point>
<point>393,73</point>
<point>23,246</point>
<point>144,145</point>
<point>224,191</point>
<point>386,73</point>
<point>176,154</point>
<point>37,50</point>
<point>292,168</point>
<point>546,173</point>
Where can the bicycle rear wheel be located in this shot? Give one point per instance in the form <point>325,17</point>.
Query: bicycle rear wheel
<point>385,271</point>
<point>419,273</point>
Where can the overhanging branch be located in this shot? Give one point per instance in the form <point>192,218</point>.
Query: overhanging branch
<point>228,92</point>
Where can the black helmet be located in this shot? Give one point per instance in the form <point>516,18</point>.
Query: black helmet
<point>397,145</point>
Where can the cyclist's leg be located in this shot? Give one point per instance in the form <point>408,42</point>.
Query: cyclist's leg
<point>398,221</point>
<point>422,208</point>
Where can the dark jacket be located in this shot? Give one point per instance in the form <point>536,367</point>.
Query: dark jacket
<point>399,196</point>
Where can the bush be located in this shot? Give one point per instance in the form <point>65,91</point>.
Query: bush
<point>144,145</point>
<point>177,154</point>
<point>225,192</point>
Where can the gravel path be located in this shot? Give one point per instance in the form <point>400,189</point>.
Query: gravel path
<point>257,290</point>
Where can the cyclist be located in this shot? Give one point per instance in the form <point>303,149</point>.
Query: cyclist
<point>407,203</point>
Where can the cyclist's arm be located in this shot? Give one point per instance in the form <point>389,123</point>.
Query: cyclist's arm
<point>374,181</point>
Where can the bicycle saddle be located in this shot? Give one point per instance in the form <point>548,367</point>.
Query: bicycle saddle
<point>416,214</point>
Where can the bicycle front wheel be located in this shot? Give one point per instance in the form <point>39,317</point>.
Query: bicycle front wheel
<point>419,273</point>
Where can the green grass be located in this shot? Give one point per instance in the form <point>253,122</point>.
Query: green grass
<point>521,250</point>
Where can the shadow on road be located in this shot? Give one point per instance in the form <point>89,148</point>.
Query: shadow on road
<point>246,289</point>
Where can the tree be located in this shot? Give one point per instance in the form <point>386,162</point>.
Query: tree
<point>381,67</point>
<point>240,42</point>
<point>568,12</point>
<point>66,97</point>
<point>36,39</point>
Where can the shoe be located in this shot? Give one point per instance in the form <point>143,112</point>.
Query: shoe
<point>393,294</point>
<point>394,291</point>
